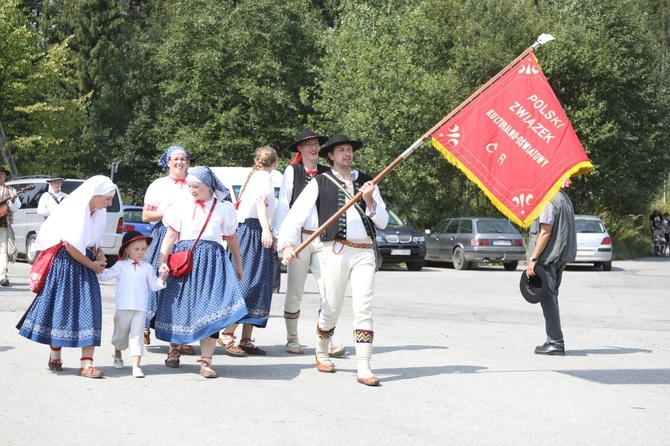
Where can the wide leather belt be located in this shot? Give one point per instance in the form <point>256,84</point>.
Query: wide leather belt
<point>306,231</point>
<point>355,245</point>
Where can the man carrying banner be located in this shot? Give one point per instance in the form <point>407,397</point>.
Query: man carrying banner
<point>348,248</point>
<point>553,243</point>
<point>298,174</point>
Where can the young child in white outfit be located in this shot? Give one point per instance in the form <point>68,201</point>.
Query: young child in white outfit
<point>134,279</point>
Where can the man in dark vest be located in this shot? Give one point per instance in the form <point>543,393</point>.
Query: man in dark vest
<point>298,174</point>
<point>348,248</point>
<point>553,243</point>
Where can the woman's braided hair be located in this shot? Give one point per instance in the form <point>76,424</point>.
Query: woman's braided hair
<point>264,157</point>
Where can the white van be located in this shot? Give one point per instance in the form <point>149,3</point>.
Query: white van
<point>234,178</point>
<point>27,221</point>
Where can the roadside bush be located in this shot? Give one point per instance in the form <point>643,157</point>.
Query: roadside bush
<point>630,235</point>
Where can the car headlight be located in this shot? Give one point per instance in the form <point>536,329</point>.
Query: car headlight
<point>419,239</point>
<point>379,238</point>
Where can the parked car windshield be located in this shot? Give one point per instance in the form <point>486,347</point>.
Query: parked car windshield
<point>495,227</point>
<point>394,219</point>
<point>589,226</point>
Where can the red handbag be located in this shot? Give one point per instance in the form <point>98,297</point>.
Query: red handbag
<point>181,263</point>
<point>41,267</point>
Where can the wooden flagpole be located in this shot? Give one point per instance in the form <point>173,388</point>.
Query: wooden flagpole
<point>542,39</point>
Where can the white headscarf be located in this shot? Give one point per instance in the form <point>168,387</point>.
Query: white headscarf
<point>72,221</point>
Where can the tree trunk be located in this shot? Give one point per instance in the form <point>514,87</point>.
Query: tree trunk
<point>7,153</point>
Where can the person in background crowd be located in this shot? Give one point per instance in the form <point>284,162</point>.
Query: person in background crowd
<point>10,205</point>
<point>302,169</point>
<point>134,279</point>
<point>195,307</point>
<point>348,253</point>
<point>160,194</point>
<point>256,207</point>
<point>552,243</point>
<point>53,196</point>
<point>655,221</point>
<point>67,312</point>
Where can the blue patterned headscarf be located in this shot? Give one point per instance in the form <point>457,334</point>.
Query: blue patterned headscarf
<point>209,179</point>
<point>165,157</point>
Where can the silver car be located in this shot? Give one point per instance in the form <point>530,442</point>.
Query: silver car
<point>466,240</point>
<point>594,244</point>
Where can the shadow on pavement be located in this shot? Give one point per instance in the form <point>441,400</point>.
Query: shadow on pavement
<point>622,376</point>
<point>607,351</point>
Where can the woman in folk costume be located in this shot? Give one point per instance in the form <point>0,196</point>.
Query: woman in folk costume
<point>256,208</point>
<point>67,312</point>
<point>160,194</point>
<point>195,307</point>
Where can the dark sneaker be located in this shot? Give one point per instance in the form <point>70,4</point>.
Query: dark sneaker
<point>550,349</point>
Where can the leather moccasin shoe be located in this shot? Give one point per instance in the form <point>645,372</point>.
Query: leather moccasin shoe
<point>369,380</point>
<point>326,368</point>
<point>550,349</point>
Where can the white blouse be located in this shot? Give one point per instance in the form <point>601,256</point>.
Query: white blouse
<point>260,189</point>
<point>133,283</point>
<point>187,218</point>
<point>163,192</point>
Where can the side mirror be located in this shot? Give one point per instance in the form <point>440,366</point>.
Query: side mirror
<point>408,224</point>
<point>426,231</point>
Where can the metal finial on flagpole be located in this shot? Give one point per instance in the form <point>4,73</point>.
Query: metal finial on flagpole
<point>544,38</point>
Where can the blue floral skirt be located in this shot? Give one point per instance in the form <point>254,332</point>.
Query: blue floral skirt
<point>258,263</point>
<point>196,306</point>
<point>151,257</point>
<point>67,312</point>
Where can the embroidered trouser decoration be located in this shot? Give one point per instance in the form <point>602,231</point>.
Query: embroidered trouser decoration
<point>364,336</point>
<point>322,344</point>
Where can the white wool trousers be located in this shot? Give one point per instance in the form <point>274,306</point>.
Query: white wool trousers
<point>4,233</point>
<point>296,274</point>
<point>341,264</point>
<point>129,331</point>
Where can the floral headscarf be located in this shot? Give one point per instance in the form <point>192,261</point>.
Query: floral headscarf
<point>205,175</point>
<point>165,157</point>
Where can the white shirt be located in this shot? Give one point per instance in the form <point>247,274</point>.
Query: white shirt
<point>283,204</point>
<point>8,192</point>
<point>132,284</point>
<point>163,192</point>
<point>289,234</point>
<point>188,218</point>
<point>259,189</point>
<point>47,204</point>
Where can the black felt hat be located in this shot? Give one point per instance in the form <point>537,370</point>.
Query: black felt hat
<point>532,289</point>
<point>130,237</point>
<point>55,177</point>
<point>336,140</point>
<point>4,169</point>
<point>304,136</point>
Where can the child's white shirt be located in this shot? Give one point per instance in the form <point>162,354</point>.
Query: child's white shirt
<point>133,283</point>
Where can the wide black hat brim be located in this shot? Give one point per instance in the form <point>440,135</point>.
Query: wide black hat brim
<point>337,140</point>
<point>304,136</point>
<point>536,287</point>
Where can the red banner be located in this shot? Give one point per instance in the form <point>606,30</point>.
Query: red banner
<point>515,142</point>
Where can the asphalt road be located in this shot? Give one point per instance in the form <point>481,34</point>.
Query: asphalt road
<point>454,350</point>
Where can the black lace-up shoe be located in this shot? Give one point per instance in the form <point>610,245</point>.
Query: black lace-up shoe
<point>550,349</point>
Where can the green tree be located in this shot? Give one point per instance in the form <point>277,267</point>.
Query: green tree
<point>38,111</point>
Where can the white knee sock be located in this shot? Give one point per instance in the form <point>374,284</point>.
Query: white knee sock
<point>291,329</point>
<point>363,356</point>
<point>322,344</point>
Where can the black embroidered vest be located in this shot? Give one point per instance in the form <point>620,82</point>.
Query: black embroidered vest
<point>300,179</point>
<point>331,199</point>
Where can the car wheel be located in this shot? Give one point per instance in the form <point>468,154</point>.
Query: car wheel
<point>510,266</point>
<point>459,259</point>
<point>414,266</point>
<point>607,266</point>
<point>31,255</point>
